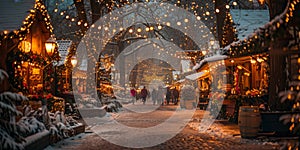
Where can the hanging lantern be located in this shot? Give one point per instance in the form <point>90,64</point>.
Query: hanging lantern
<point>50,45</point>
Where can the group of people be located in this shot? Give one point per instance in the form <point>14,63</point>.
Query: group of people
<point>135,95</point>
<point>158,95</point>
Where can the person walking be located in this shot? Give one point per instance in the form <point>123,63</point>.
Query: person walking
<point>160,96</point>
<point>133,95</point>
<point>168,95</point>
<point>144,94</point>
<point>154,96</point>
<point>175,96</point>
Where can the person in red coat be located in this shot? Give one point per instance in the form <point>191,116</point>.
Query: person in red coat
<point>133,95</point>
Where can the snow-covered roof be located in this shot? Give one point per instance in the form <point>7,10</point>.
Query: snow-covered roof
<point>13,13</point>
<point>195,75</point>
<point>209,59</point>
<point>255,42</point>
<point>247,21</point>
<point>63,49</point>
<point>83,65</point>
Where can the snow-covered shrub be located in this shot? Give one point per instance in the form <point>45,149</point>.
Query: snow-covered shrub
<point>9,136</point>
<point>60,125</point>
<point>29,125</point>
<point>112,106</point>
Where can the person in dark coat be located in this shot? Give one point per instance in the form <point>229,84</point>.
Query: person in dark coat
<point>175,96</point>
<point>144,94</point>
<point>168,95</point>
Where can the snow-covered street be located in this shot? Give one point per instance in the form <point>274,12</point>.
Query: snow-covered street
<point>220,135</point>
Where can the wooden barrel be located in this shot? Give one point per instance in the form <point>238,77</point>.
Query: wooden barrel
<point>249,121</point>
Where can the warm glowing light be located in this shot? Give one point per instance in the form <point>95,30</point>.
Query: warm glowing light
<point>50,45</point>
<point>73,61</point>
<point>130,31</point>
<point>25,46</point>
<point>159,27</point>
<point>239,67</point>
<point>139,30</point>
<point>253,61</point>
<point>217,10</point>
<point>261,2</point>
<point>147,29</point>
<point>259,60</point>
<point>247,74</point>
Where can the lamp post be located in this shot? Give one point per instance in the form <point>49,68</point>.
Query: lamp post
<point>50,46</point>
<point>69,75</point>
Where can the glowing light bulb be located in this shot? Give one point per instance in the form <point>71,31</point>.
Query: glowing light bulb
<point>139,30</point>
<point>147,29</point>
<point>159,27</point>
<point>130,31</point>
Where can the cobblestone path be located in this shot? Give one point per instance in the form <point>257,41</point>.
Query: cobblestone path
<point>187,139</point>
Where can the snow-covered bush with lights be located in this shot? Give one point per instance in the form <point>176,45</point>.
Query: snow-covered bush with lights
<point>293,94</point>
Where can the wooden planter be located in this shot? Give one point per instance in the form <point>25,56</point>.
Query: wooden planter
<point>80,128</point>
<point>271,124</point>
<point>37,141</point>
<point>249,121</point>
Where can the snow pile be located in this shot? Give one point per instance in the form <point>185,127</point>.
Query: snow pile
<point>222,132</point>
<point>216,130</point>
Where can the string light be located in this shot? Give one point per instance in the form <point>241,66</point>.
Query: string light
<point>25,28</point>
<point>260,39</point>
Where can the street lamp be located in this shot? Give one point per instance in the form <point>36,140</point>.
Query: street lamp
<point>69,75</point>
<point>50,45</point>
<point>73,61</point>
